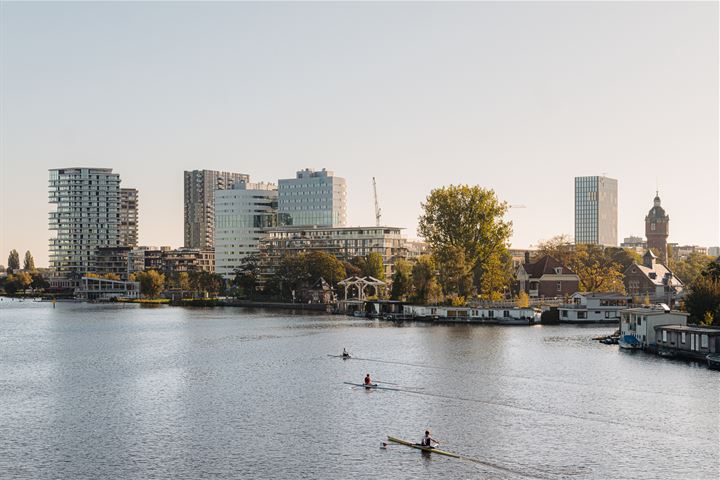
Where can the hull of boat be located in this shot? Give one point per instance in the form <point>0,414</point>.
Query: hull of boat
<point>423,448</point>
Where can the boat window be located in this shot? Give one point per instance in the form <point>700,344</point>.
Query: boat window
<point>664,335</point>
<point>682,337</point>
<point>703,341</point>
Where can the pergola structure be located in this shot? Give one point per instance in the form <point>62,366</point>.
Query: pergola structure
<point>360,283</point>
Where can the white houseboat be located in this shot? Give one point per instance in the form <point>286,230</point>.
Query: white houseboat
<point>593,307</point>
<point>637,325</point>
<point>500,315</point>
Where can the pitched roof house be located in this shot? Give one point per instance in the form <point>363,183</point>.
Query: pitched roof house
<point>652,278</point>
<point>546,277</point>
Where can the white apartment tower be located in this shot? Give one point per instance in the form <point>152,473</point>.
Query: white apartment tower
<point>86,217</point>
<point>199,214</point>
<point>243,213</point>
<point>128,217</point>
<point>313,198</point>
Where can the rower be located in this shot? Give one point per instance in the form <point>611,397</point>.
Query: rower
<point>428,441</point>
<point>345,353</point>
<point>368,382</point>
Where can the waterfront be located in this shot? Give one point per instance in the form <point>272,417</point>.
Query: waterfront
<point>126,391</point>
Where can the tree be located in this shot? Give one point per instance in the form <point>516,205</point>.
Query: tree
<point>401,280</point>
<point>704,298</point>
<point>688,269</point>
<point>351,270</point>
<point>598,272</point>
<point>424,278</point>
<point>322,264</point>
<point>468,219</point>
<point>623,256</point>
<point>10,284</point>
<point>39,282</point>
<point>246,277</point>
<point>559,247</point>
<point>13,261</point>
<point>29,262</point>
<point>152,282</point>
<point>24,280</point>
<point>712,270</point>
<point>374,266</point>
<point>522,300</point>
<point>183,281</point>
<point>455,276</point>
<point>111,276</point>
<point>495,277</point>
<point>202,281</point>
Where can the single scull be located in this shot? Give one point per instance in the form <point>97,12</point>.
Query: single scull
<point>423,447</point>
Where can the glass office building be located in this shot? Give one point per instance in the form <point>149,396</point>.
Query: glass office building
<point>313,198</point>
<point>596,210</point>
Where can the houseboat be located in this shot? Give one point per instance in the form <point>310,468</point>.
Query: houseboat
<point>591,307</point>
<point>498,316</point>
<point>637,325</point>
<point>690,342</point>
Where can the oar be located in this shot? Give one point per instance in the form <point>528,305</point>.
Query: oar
<point>387,383</point>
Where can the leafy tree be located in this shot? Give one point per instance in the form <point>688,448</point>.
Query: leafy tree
<point>468,219</point>
<point>29,262</point>
<point>712,270</point>
<point>10,284</point>
<point>401,280</point>
<point>456,276</point>
<point>495,277</point>
<point>13,261</point>
<point>304,269</point>
<point>704,298</point>
<point>39,282</point>
<point>351,270</point>
<point>424,278</point>
<point>152,282</point>
<point>560,247</point>
<point>690,268</point>
<point>202,281</point>
<point>321,264</point>
<point>24,280</point>
<point>111,276</point>
<point>183,281</point>
<point>623,256</point>
<point>246,277</point>
<point>598,272</point>
<point>522,300</point>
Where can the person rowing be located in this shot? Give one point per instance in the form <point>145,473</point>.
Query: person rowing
<point>368,381</point>
<point>345,353</point>
<point>428,441</point>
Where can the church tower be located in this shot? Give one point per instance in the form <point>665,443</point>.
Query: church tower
<point>657,229</point>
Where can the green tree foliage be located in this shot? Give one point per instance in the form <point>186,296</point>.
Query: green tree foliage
<point>495,277</point>
<point>401,280</point>
<point>560,247</point>
<point>467,219</point>
<point>13,261</point>
<point>152,282</point>
<point>351,270</point>
<point>374,266</point>
<point>246,277</point>
<point>425,283</point>
<point>10,284</point>
<point>29,262</point>
<point>206,282</point>
<point>24,280</point>
<point>704,299</point>
<point>688,269</point>
<point>597,270</point>
<point>623,256</point>
<point>712,270</point>
<point>39,282</point>
<point>304,269</point>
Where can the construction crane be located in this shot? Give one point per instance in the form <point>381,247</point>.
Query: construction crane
<point>377,205</point>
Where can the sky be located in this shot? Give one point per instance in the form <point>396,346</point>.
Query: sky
<point>516,97</point>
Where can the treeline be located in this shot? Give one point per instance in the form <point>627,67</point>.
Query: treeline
<point>20,280</point>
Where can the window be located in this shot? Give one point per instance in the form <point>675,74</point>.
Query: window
<point>664,336</point>
<point>607,314</point>
<point>559,286</point>
<point>682,337</point>
<point>703,341</point>
<point>564,313</point>
<point>581,315</point>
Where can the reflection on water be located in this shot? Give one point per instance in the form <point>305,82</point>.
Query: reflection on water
<point>120,391</point>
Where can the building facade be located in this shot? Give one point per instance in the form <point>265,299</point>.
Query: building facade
<point>637,244</point>
<point>199,218</point>
<point>593,308</point>
<point>243,214</point>
<point>596,210</point>
<point>637,325</point>
<point>546,278</point>
<point>313,198</point>
<point>691,342</point>
<point>344,243</point>
<point>657,229</point>
<point>128,223</point>
<point>86,217</point>
<point>652,279</point>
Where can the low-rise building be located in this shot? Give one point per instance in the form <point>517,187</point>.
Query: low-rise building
<point>637,244</point>
<point>345,243</point>
<point>546,277</point>
<point>188,260</point>
<point>653,279</point>
<point>593,308</point>
<point>682,252</point>
<point>637,325</point>
<point>687,341</point>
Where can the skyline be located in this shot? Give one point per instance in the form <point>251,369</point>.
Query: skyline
<point>496,95</point>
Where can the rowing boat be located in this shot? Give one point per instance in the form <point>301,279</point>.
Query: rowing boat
<point>372,385</point>
<point>423,447</point>
<point>344,357</point>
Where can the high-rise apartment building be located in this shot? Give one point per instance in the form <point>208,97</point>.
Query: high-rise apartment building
<point>200,186</point>
<point>596,210</point>
<point>128,217</point>
<point>86,217</point>
<point>313,198</point>
<point>243,214</point>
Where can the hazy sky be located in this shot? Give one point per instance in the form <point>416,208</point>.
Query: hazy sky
<point>518,97</point>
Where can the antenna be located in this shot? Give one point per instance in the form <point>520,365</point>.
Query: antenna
<point>377,205</point>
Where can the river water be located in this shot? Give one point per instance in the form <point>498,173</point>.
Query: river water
<point>126,392</point>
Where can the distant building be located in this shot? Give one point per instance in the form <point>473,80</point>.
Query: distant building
<point>637,244</point>
<point>546,277</point>
<point>86,218</point>
<point>682,252</point>
<point>657,229</point>
<point>654,279</point>
<point>114,260</point>
<point>596,210</point>
<point>313,198</point>
<point>714,251</point>
<point>416,248</point>
<point>200,186</point>
<point>684,341</point>
<point>637,325</point>
<point>128,223</point>
<point>344,243</point>
<point>521,255</point>
<point>243,213</point>
<point>593,308</point>
<point>188,260</point>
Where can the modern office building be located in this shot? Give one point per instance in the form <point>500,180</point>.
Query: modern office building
<point>243,213</point>
<point>596,210</point>
<point>128,224</point>
<point>86,217</point>
<point>313,198</point>
<point>638,244</point>
<point>344,243</point>
<point>200,186</point>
